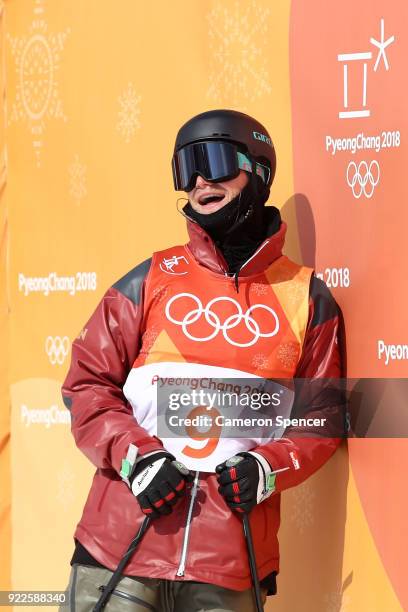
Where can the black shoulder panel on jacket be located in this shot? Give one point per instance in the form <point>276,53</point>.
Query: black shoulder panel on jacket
<point>131,284</point>
<point>325,306</point>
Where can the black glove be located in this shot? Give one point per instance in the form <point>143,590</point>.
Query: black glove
<point>158,481</point>
<point>245,480</point>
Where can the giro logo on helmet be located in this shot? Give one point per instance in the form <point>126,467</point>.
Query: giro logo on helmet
<point>263,137</point>
<point>231,322</point>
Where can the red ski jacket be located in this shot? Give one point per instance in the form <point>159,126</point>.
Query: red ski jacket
<point>274,320</point>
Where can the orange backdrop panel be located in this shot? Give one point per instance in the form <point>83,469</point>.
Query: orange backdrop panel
<point>5,526</point>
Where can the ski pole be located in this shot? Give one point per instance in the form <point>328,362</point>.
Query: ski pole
<point>250,544</point>
<point>251,556</point>
<point>116,576</point>
<point>256,587</point>
<point>252,562</point>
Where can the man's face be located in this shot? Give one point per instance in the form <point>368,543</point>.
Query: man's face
<point>206,197</point>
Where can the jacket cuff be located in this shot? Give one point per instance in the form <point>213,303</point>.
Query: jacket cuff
<point>267,477</point>
<point>148,445</point>
<point>142,446</point>
<point>277,459</point>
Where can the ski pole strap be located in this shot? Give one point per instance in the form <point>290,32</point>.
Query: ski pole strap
<point>116,576</point>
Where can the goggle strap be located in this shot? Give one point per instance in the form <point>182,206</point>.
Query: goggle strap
<point>245,164</point>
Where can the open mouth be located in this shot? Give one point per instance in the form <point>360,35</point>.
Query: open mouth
<point>210,199</point>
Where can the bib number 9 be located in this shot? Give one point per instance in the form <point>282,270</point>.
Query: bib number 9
<point>209,438</point>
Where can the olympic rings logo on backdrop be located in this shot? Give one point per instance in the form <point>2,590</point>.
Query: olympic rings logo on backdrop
<point>231,322</point>
<point>57,349</point>
<point>363,178</point>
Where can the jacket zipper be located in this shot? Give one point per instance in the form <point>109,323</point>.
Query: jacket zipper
<point>258,250</point>
<point>236,274</point>
<point>183,558</point>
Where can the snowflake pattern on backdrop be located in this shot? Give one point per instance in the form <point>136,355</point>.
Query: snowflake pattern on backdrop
<point>77,181</point>
<point>37,58</point>
<point>66,486</point>
<point>129,111</point>
<point>238,47</point>
<point>302,507</point>
<point>260,361</point>
<point>288,354</point>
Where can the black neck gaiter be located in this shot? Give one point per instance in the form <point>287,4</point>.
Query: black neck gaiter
<point>237,229</point>
<point>217,223</point>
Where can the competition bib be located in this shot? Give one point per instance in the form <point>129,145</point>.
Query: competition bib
<point>206,414</point>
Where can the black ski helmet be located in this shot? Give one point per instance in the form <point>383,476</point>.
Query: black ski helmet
<point>231,126</point>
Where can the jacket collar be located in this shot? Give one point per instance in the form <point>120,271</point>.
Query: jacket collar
<point>207,254</point>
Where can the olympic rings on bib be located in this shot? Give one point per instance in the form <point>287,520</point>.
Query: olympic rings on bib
<point>213,319</point>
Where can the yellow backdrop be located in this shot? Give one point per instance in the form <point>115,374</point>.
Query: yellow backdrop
<point>95,92</point>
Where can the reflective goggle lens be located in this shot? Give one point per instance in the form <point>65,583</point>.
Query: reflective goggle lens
<point>215,161</point>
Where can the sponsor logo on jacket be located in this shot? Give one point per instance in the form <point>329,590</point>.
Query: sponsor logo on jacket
<point>295,460</point>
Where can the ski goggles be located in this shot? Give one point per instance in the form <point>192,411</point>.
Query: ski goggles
<point>215,161</point>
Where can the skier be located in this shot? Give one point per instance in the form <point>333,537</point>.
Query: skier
<point>226,302</point>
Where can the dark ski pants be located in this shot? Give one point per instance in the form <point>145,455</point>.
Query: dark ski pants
<point>151,595</point>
